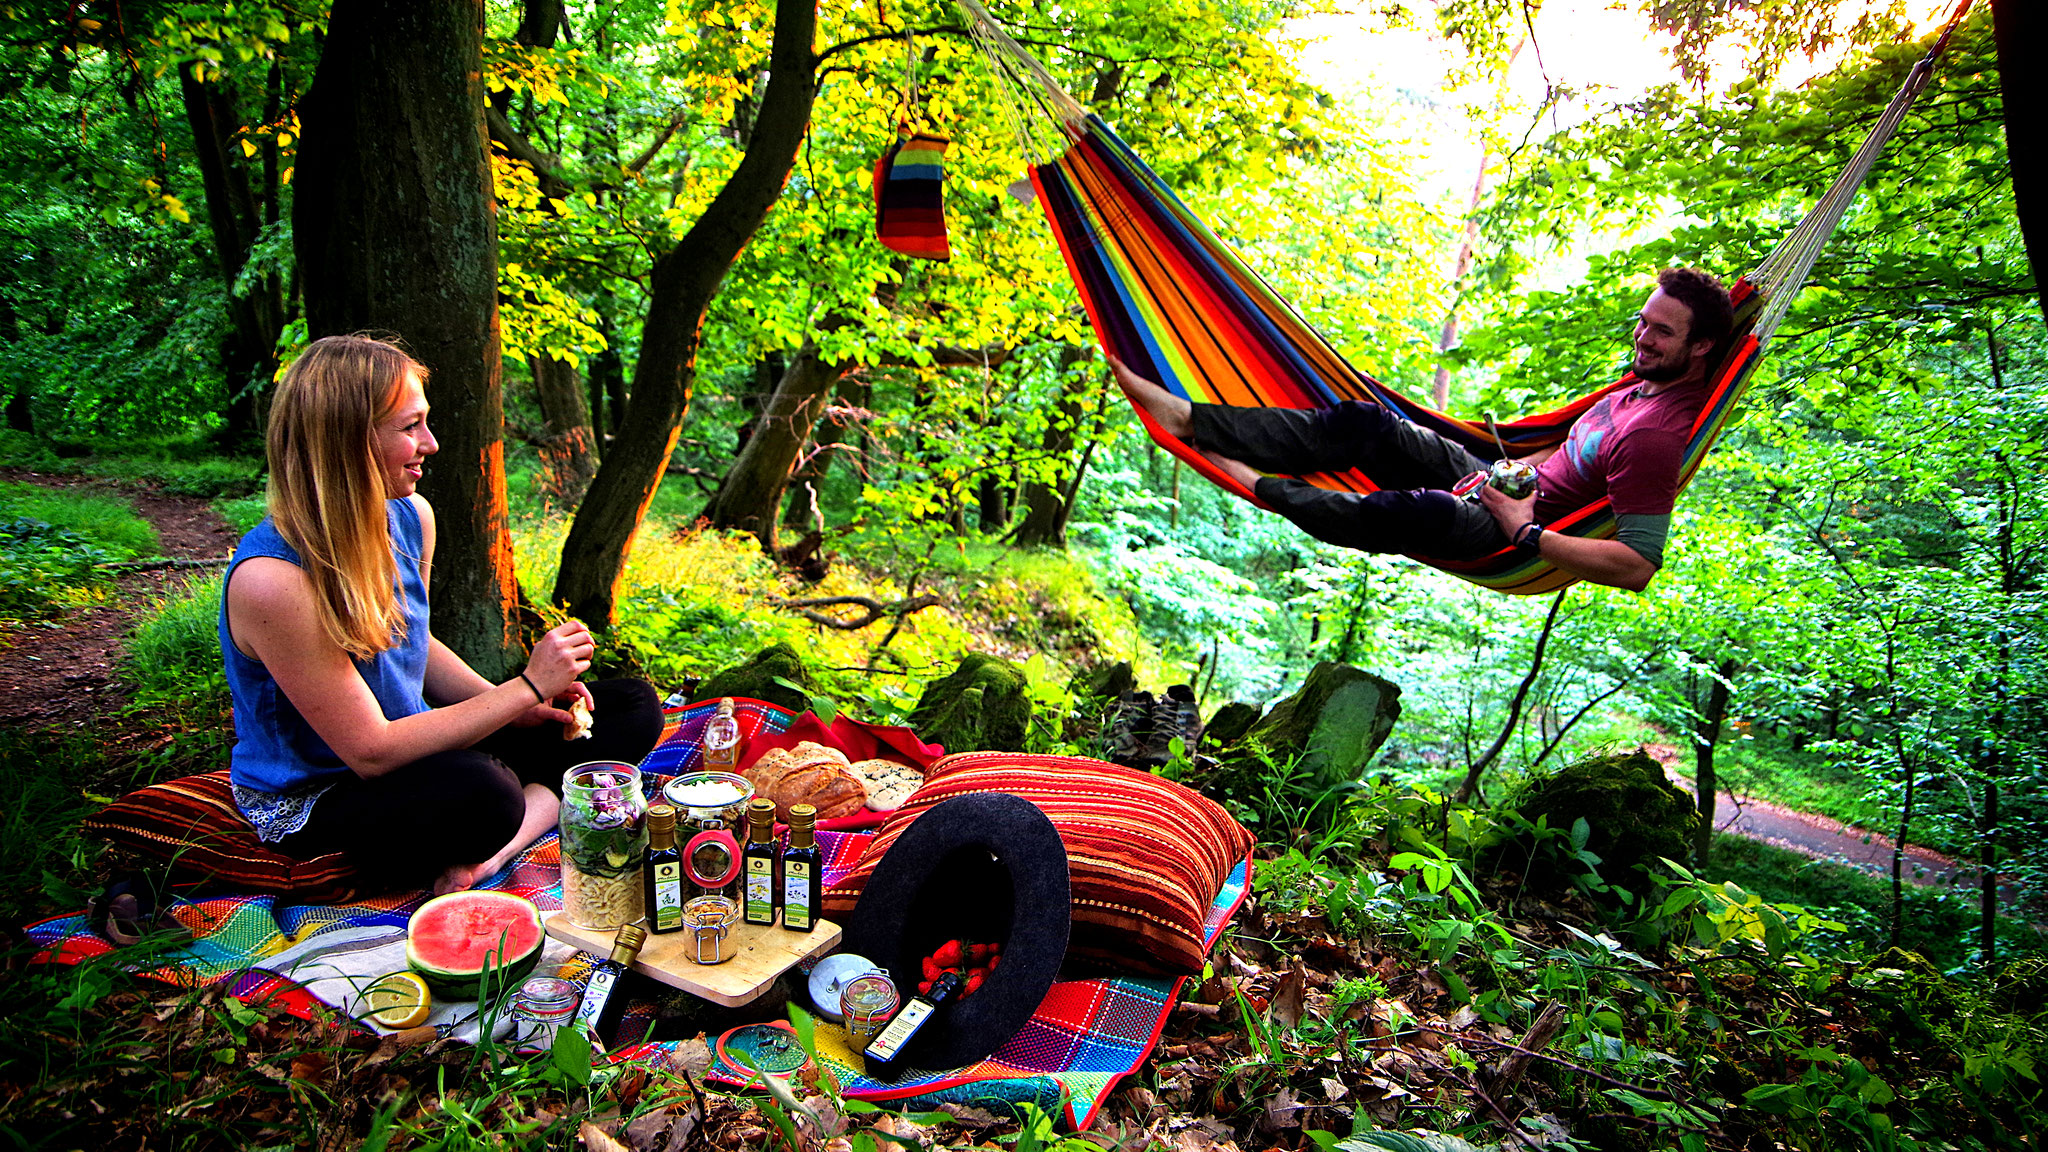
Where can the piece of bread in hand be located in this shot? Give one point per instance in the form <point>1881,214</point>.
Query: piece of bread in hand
<point>889,782</point>
<point>578,727</point>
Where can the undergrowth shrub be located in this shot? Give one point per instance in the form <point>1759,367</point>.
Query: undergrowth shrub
<point>42,567</point>
<point>173,657</point>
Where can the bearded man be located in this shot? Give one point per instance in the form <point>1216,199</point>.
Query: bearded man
<point>1629,447</point>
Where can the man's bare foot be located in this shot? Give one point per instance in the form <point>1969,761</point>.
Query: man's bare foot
<point>1173,414</point>
<point>458,878</point>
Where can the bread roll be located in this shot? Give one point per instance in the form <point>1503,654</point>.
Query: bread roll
<point>809,773</point>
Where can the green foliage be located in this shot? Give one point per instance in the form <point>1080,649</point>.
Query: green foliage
<point>105,521</point>
<point>39,842</point>
<point>41,566</point>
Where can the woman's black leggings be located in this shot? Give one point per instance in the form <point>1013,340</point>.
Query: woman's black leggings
<point>407,826</point>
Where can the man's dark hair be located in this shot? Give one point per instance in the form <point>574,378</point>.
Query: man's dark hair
<point>1712,316</point>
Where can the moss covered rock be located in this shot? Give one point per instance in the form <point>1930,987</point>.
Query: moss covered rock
<point>1335,723</point>
<point>758,678</point>
<point>1635,814</point>
<point>1230,723</point>
<point>983,705</point>
<point>1102,682</point>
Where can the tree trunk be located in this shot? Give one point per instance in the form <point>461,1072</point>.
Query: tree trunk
<point>994,502</point>
<point>395,231</point>
<point>257,315</point>
<point>802,511</point>
<point>1706,737</point>
<point>1046,503</point>
<point>2021,29</point>
<point>751,493</point>
<point>682,284</point>
<point>566,450</point>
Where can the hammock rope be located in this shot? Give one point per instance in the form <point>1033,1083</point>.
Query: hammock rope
<point>1181,306</point>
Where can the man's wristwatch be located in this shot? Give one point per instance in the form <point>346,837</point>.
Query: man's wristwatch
<point>1526,538</point>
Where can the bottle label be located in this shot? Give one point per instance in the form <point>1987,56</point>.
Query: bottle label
<point>796,894</point>
<point>668,896</point>
<point>901,1029</point>
<point>595,993</point>
<point>760,895</point>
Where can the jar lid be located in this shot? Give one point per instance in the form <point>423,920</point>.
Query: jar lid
<point>548,996</point>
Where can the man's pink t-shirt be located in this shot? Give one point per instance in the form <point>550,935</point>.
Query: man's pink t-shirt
<point>1628,447</point>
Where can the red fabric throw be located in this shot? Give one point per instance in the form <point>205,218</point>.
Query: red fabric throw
<point>192,825</point>
<point>1145,856</point>
<point>859,740</point>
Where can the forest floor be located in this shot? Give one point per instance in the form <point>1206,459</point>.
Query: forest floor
<point>59,674</point>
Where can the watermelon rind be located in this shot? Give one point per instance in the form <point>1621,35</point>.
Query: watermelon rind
<point>473,945</point>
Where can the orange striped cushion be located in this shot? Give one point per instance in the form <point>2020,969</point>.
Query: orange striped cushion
<point>1145,856</point>
<point>192,825</point>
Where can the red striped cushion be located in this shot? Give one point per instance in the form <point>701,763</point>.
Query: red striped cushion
<point>192,825</point>
<point>1146,856</point>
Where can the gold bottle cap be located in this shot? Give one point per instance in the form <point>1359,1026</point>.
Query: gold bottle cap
<point>803,815</point>
<point>626,944</point>
<point>661,818</point>
<point>761,813</point>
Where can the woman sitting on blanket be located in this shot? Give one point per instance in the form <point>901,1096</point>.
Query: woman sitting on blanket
<point>356,730</point>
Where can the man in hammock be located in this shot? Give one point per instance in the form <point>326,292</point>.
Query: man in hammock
<point>1629,447</point>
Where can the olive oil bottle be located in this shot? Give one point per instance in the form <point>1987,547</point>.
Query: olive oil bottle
<point>664,873</point>
<point>800,860</point>
<point>599,1013</point>
<point>758,859</point>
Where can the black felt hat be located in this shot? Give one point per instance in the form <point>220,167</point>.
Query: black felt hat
<point>987,867</point>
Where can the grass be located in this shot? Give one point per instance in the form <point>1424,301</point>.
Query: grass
<point>108,522</point>
<point>40,849</point>
<point>173,657</point>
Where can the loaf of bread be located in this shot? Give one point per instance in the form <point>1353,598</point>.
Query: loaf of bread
<point>888,782</point>
<point>809,773</point>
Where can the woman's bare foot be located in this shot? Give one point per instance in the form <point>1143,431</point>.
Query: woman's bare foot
<point>1173,415</point>
<point>458,878</point>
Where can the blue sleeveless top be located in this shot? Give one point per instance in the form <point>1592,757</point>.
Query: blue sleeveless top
<point>280,765</point>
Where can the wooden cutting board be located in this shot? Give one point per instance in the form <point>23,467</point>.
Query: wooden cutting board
<point>759,955</point>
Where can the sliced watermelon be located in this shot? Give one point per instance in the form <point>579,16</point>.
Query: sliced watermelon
<point>466,945</point>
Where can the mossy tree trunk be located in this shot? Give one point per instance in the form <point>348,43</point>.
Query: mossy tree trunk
<point>395,231</point>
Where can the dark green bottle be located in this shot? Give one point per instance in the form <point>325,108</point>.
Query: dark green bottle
<point>664,875</point>
<point>757,864</point>
<point>800,894</point>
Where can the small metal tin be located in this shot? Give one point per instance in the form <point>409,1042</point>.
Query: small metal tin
<point>709,920</point>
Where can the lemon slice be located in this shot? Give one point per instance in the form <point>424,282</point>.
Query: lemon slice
<point>398,1001</point>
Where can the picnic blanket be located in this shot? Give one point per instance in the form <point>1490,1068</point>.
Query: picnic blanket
<point>308,959</point>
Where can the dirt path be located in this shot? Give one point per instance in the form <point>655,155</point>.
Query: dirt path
<point>1819,837</point>
<point>58,674</point>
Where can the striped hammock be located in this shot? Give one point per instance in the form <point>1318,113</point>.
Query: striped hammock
<point>1170,298</point>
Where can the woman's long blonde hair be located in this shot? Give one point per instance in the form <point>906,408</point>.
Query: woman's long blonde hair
<point>327,493</point>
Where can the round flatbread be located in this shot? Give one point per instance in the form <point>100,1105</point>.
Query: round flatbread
<point>889,782</point>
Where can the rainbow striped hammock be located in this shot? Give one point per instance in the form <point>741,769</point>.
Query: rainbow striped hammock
<point>1175,302</point>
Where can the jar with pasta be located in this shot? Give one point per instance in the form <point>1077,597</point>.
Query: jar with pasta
<point>604,844</point>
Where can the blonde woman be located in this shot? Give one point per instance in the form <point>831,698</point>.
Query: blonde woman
<point>355,729</point>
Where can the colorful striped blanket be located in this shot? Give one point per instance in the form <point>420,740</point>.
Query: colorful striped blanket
<point>1086,1036</point>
